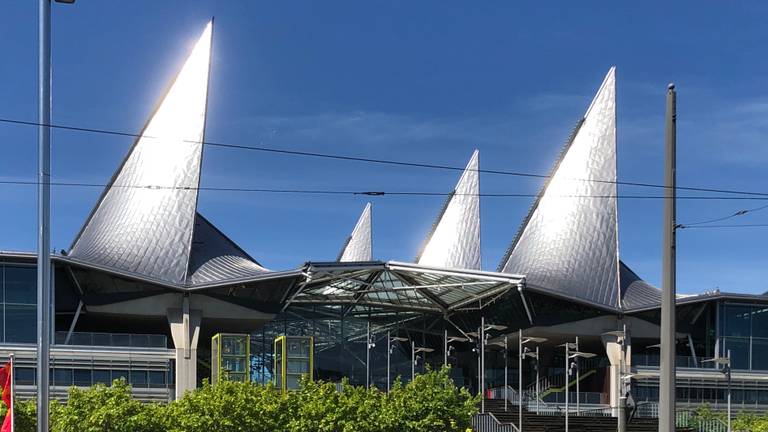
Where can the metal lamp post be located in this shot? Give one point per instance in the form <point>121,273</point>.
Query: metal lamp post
<point>570,355</point>
<point>368,345</point>
<point>521,355</point>
<point>44,211</point>
<point>391,339</point>
<point>726,363</point>
<point>483,340</point>
<point>446,345</point>
<point>504,345</point>
<point>415,350</point>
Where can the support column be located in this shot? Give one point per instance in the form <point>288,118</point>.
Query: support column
<point>185,331</point>
<point>613,351</point>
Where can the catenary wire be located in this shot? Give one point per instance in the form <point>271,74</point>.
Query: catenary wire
<point>741,212</point>
<point>364,192</point>
<point>382,161</point>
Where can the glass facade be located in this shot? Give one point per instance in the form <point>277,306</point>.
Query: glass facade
<point>18,294</point>
<point>65,377</point>
<point>744,332</point>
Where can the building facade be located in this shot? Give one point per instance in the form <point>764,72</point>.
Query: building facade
<point>148,281</point>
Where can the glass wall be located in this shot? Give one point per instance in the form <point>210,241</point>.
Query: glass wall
<point>744,332</point>
<point>18,294</point>
<point>86,377</point>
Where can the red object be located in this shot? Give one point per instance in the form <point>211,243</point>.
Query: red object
<point>5,378</point>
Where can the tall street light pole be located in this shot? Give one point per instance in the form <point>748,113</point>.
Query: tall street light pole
<point>368,345</point>
<point>43,213</point>
<point>415,350</point>
<point>667,369</point>
<point>483,336</point>
<point>44,210</point>
<point>726,370</point>
<point>521,355</point>
<point>570,355</point>
<point>391,339</point>
<point>447,345</point>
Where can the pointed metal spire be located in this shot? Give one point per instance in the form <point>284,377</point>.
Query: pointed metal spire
<point>144,220</point>
<point>455,238</point>
<point>569,241</point>
<point>359,244</point>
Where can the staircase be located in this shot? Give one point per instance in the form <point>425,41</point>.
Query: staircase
<point>556,423</point>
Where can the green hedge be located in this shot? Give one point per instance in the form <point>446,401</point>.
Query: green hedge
<point>430,403</point>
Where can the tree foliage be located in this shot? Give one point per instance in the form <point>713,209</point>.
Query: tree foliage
<point>430,403</point>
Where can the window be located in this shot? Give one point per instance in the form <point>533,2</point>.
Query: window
<point>20,323</point>
<point>20,284</point>
<point>139,378</point>
<point>25,376</point>
<point>759,354</point>
<point>118,374</point>
<point>739,349</point>
<point>157,379</point>
<point>101,376</point>
<point>760,322</point>
<point>62,377</point>
<point>737,320</point>
<point>82,377</point>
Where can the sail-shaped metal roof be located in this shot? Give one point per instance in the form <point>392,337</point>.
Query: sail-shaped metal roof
<point>358,246</point>
<point>569,241</point>
<point>454,241</point>
<point>146,224</point>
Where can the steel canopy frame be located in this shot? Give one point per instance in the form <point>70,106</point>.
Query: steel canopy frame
<point>394,285</point>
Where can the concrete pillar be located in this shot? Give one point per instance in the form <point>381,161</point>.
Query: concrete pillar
<point>613,351</point>
<point>185,331</point>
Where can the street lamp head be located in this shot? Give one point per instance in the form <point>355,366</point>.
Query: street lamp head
<point>533,339</point>
<point>582,354</point>
<point>719,361</point>
<point>398,339</point>
<point>457,339</point>
<point>473,334</point>
<point>617,333</point>
<point>495,327</point>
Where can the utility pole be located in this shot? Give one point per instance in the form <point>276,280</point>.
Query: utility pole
<point>43,213</point>
<point>667,372</point>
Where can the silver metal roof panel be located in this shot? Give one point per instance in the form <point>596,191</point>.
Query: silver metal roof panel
<point>569,242</point>
<point>144,220</point>
<point>359,244</point>
<point>454,241</point>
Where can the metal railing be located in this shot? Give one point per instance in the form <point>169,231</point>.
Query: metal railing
<point>683,418</point>
<point>652,360</point>
<point>489,423</point>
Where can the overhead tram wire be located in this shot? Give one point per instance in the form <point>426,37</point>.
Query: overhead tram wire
<point>369,193</point>
<point>765,225</point>
<point>382,161</point>
<point>720,219</point>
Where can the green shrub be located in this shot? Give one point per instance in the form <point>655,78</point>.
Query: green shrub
<point>430,403</point>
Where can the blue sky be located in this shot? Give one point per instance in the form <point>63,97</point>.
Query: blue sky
<point>419,81</point>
